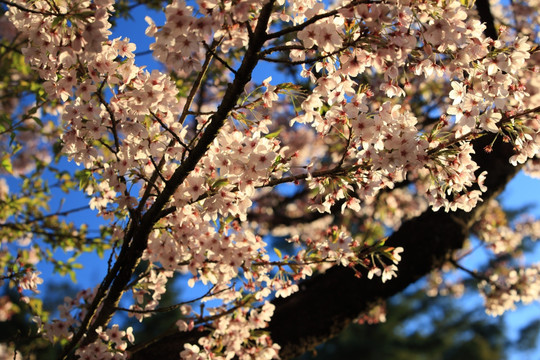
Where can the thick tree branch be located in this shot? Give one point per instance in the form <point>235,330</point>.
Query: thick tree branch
<point>484,11</point>
<point>327,303</point>
<point>337,296</point>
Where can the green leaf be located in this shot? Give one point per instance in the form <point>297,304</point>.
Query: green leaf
<point>278,253</point>
<point>84,177</point>
<point>36,305</point>
<point>57,21</point>
<point>37,120</point>
<point>220,183</point>
<point>5,122</point>
<point>6,163</point>
<point>72,276</point>
<point>274,134</point>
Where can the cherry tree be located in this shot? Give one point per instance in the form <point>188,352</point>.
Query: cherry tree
<point>376,159</point>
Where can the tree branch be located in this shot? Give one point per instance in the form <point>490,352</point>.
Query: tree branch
<point>484,11</point>
<point>327,303</point>
<point>135,242</point>
<point>28,10</point>
<point>316,18</point>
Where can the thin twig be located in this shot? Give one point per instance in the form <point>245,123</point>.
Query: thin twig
<point>22,8</point>
<point>158,170</point>
<point>474,274</point>
<point>218,58</point>
<point>113,118</point>
<point>198,82</point>
<point>316,18</point>
<point>163,125</point>
<point>175,306</point>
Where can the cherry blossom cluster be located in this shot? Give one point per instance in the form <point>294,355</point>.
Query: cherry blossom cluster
<point>214,259</point>
<point>152,285</point>
<point>207,254</point>
<point>493,229</point>
<point>9,352</point>
<point>245,162</point>
<point>135,140</point>
<point>71,313</point>
<point>67,30</point>
<point>526,143</point>
<point>179,42</point>
<point>231,333</point>
<point>338,245</point>
<point>438,285</point>
<point>335,245</point>
<point>376,314</point>
<point>112,342</point>
<point>388,270</point>
<point>30,150</point>
<point>503,290</point>
<point>182,41</point>
<point>529,228</point>
<point>485,89</point>
<point>399,205</point>
<point>501,287</point>
<point>120,125</point>
<point>454,173</point>
<point>21,272</point>
<point>7,308</point>
<point>30,281</point>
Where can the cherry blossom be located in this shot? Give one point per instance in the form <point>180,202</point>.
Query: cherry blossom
<point>184,163</point>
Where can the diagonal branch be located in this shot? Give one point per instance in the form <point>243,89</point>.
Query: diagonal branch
<point>327,303</point>
<point>136,239</point>
<point>314,19</point>
<point>429,240</point>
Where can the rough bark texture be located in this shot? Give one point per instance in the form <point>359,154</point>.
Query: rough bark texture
<point>327,303</point>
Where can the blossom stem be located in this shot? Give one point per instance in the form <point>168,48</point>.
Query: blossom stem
<point>316,18</point>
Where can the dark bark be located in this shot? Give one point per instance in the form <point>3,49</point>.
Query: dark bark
<point>484,11</point>
<point>327,303</point>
